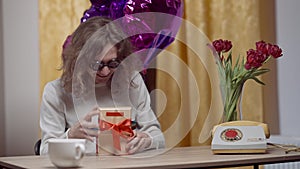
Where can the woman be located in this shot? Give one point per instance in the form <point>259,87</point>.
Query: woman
<point>95,74</point>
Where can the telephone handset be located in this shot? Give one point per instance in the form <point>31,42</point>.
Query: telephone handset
<point>245,123</point>
<point>240,137</point>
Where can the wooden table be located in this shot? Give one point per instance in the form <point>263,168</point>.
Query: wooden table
<point>180,157</point>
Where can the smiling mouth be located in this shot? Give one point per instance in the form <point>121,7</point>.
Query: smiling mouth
<point>102,76</point>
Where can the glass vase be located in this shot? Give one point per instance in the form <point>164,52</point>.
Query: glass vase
<point>232,99</point>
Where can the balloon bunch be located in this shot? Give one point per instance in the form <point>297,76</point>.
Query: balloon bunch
<point>149,23</point>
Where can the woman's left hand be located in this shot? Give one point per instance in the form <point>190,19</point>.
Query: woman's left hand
<point>138,143</point>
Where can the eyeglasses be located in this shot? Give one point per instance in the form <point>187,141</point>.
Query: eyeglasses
<point>99,65</point>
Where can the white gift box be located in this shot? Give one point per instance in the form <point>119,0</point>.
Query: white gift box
<point>115,130</point>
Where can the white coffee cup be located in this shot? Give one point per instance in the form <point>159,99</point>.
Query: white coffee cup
<point>66,152</point>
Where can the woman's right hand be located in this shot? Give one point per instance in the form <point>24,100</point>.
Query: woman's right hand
<point>85,128</point>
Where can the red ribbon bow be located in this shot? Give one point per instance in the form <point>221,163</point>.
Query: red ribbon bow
<point>122,129</point>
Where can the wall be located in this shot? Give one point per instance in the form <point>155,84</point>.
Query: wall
<point>288,36</point>
<point>2,124</point>
<point>21,75</point>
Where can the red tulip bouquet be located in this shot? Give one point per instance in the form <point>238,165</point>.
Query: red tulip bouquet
<point>233,77</point>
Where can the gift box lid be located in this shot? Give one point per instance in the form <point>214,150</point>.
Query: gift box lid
<point>114,114</point>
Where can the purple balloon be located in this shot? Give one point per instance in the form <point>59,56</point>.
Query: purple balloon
<point>132,22</point>
<point>109,8</point>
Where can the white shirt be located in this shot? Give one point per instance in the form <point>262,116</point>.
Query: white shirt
<point>58,110</point>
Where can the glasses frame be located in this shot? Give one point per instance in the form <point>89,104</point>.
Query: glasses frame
<point>111,64</point>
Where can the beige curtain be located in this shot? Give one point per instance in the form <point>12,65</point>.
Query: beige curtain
<point>242,21</point>
<point>57,20</point>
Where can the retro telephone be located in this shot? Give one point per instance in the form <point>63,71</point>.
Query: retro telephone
<point>240,137</point>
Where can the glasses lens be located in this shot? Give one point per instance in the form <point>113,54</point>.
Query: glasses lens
<point>96,66</point>
<point>113,64</point>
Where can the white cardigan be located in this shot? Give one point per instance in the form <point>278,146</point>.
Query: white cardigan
<point>58,113</point>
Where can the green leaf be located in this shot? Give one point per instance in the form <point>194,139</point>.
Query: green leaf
<point>258,81</point>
